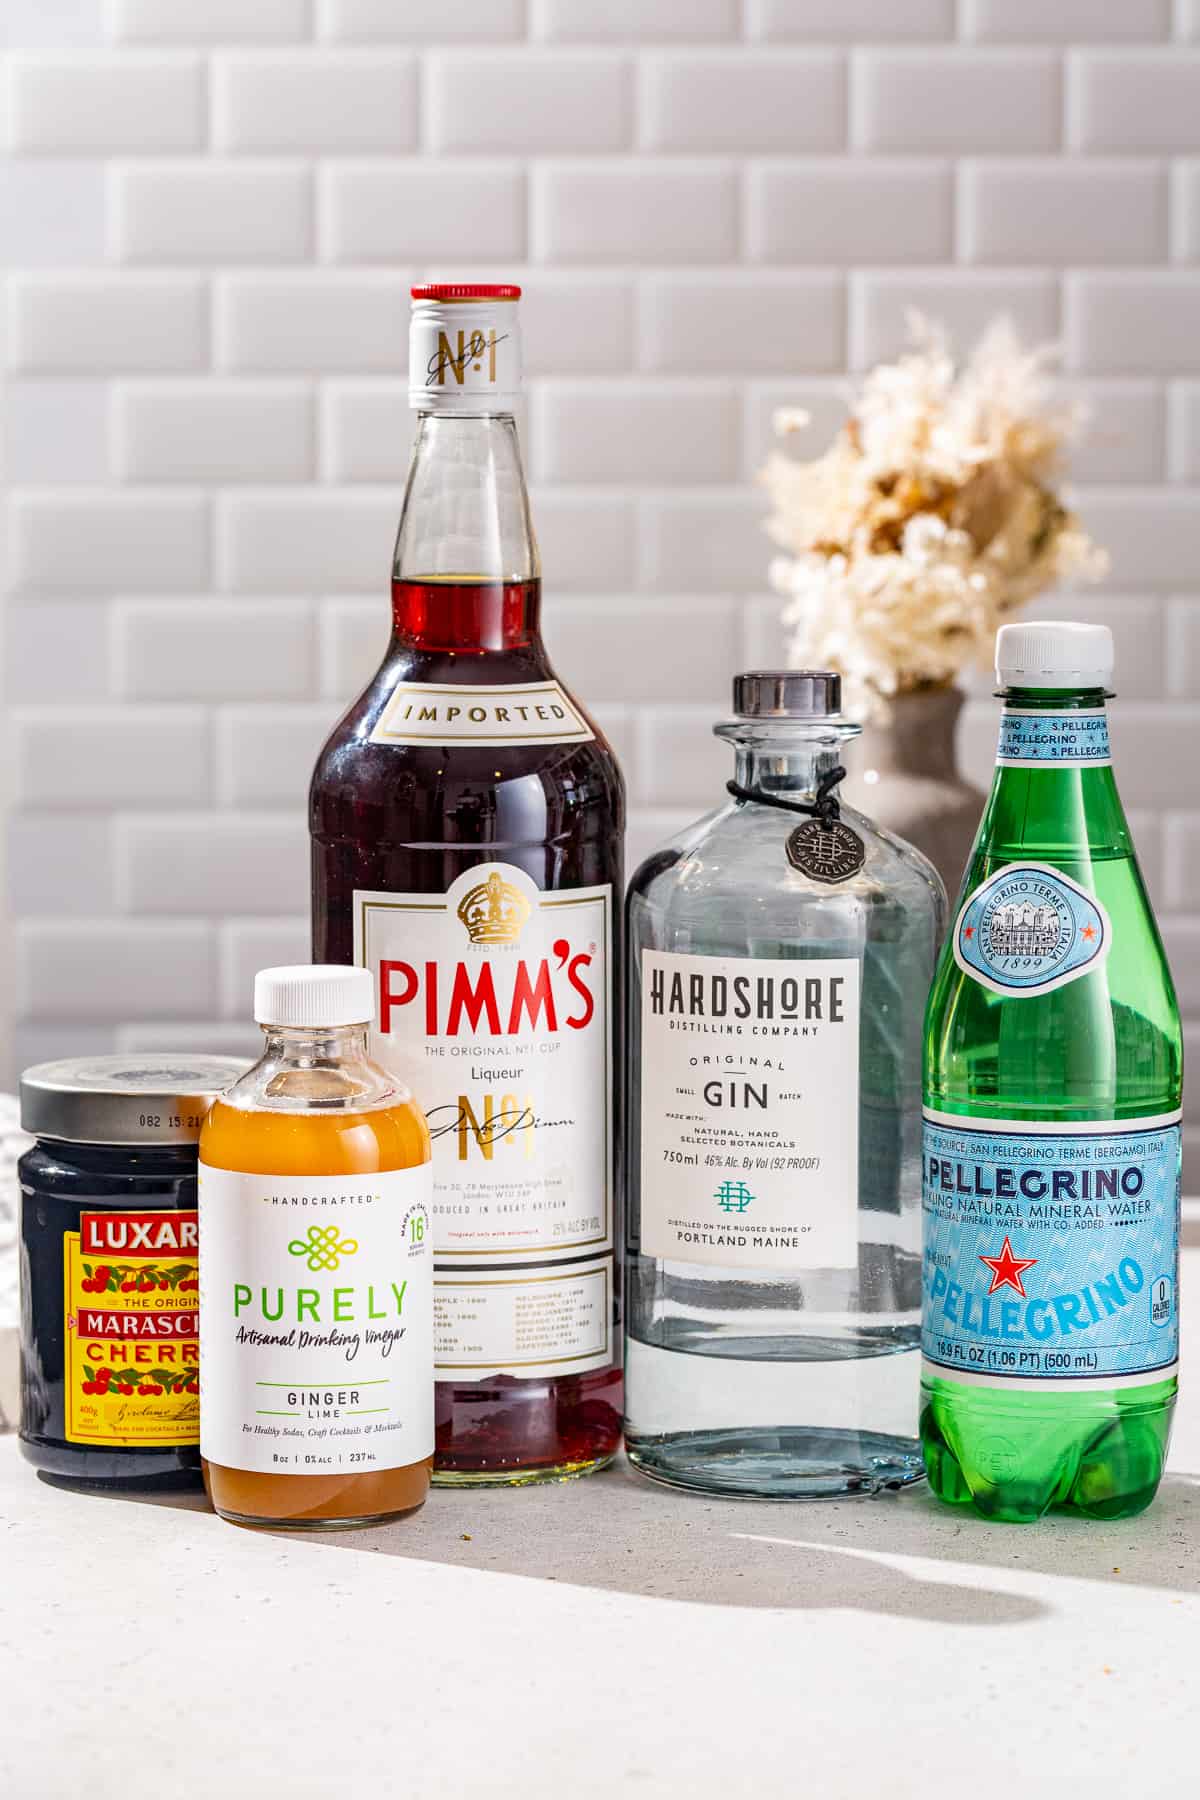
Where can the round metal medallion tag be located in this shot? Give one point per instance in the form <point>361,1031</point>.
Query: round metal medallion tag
<point>826,852</point>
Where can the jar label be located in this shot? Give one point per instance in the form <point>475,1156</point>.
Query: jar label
<point>1051,1253</point>
<point>316,1308</point>
<point>1053,740</point>
<point>131,1348</point>
<point>1030,929</point>
<point>749,1124</point>
<point>488,717</point>
<point>493,1005</point>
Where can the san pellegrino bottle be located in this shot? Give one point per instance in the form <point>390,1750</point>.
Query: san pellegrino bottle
<point>1053,1076</point>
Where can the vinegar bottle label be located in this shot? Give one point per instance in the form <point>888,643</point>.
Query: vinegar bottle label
<point>316,1309</point>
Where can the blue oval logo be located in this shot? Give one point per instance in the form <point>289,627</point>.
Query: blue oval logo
<point>1029,929</point>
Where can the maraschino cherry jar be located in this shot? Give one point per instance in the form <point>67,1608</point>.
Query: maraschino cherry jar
<point>110,1342</point>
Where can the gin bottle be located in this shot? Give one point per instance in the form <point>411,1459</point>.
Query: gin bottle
<point>1052,1140</point>
<point>780,952</point>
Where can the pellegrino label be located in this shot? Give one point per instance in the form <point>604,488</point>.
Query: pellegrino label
<point>316,1313</point>
<point>1053,740</point>
<point>424,712</point>
<point>132,1353</point>
<point>493,1004</point>
<point>750,1110</point>
<point>1051,1253</point>
<point>1030,929</point>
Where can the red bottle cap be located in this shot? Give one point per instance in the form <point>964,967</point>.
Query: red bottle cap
<point>466,290</point>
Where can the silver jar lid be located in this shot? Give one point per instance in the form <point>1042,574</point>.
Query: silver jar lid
<point>151,1099</point>
<point>787,694</point>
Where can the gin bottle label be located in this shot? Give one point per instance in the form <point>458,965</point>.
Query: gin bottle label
<point>749,1124</point>
<point>1029,929</point>
<point>493,1004</point>
<point>1051,1253</point>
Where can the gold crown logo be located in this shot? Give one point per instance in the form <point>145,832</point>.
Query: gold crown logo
<point>493,912</point>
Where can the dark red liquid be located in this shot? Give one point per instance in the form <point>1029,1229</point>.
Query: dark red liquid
<point>411,819</point>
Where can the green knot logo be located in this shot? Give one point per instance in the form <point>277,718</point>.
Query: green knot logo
<point>323,1248</point>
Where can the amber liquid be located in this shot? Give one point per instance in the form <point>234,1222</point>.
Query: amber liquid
<point>411,819</point>
<point>313,1143</point>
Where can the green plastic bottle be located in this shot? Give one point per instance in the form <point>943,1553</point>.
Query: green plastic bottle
<point>1051,1170</point>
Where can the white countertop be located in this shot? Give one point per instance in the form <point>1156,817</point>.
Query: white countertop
<point>599,1638</point>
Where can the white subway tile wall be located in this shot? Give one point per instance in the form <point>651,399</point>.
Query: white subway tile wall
<point>210,216</point>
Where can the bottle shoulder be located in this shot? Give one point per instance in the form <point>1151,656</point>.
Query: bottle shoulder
<point>301,1140</point>
<point>418,783</point>
<point>1105,1043</point>
<point>736,857</point>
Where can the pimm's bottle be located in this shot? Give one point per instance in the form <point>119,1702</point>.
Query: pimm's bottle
<point>1053,1076</point>
<point>467,821</point>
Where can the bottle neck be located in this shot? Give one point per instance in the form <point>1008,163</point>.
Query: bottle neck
<point>315,1070</point>
<point>781,758</point>
<point>1054,788</point>
<point>465,572</point>
<point>312,1047</point>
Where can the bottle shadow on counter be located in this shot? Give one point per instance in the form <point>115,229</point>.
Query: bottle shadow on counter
<point>619,1533</point>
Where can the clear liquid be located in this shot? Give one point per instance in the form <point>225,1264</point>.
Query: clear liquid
<point>786,1383</point>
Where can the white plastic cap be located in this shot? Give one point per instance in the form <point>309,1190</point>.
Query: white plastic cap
<point>312,996</point>
<point>1054,656</point>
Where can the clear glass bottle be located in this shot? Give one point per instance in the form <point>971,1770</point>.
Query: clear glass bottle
<point>467,824</point>
<point>316,1276</point>
<point>1053,1082</point>
<point>778,968</point>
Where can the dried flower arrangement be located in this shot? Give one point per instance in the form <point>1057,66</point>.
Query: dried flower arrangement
<point>931,518</point>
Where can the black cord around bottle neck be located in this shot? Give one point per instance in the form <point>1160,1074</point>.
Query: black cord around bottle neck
<point>826,807</point>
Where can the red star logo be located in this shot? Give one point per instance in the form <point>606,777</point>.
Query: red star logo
<point>968,931</point>
<point>1088,933</point>
<point>1007,1269</point>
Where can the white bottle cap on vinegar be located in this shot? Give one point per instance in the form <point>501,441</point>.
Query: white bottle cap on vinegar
<point>313,996</point>
<point>1057,655</point>
<point>464,347</point>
